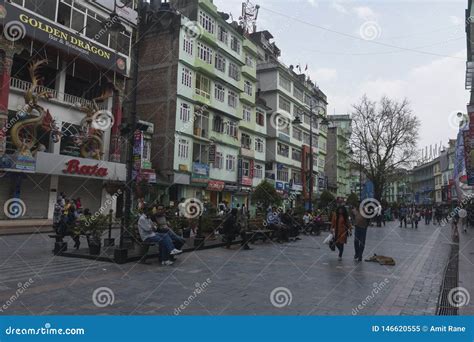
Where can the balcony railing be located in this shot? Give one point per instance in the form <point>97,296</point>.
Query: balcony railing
<point>21,85</point>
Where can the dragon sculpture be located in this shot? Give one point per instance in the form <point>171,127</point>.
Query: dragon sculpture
<point>25,133</point>
<point>93,125</point>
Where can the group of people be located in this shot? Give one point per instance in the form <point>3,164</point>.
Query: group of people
<point>67,212</point>
<point>437,214</point>
<point>153,227</point>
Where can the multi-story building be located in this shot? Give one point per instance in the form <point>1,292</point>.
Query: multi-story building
<point>59,74</point>
<point>337,161</point>
<point>198,85</point>
<point>423,183</point>
<point>446,160</point>
<point>291,95</point>
<point>438,181</point>
<point>398,188</point>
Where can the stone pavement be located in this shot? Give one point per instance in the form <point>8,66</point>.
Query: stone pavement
<point>466,268</point>
<point>299,278</point>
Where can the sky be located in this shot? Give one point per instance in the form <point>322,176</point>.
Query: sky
<point>401,49</point>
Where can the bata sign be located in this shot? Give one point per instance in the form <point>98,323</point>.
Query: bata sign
<point>74,167</point>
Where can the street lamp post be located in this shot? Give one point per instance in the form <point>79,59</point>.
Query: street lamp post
<point>297,121</point>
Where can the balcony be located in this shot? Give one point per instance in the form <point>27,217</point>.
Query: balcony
<point>23,86</point>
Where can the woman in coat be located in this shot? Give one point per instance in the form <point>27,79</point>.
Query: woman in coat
<point>340,228</point>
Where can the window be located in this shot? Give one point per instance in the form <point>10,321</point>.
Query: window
<point>307,119</point>
<point>247,113</point>
<point>186,77</point>
<point>219,92</point>
<point>68,16</point>
<point>285,83</point>
<point>203,86</point>
<point>222,35</point>
<point>306,138</point>
<point>183,149</point>
<point>248,88</point>
<point>235,44</point>
<point>201,123</point>
<point>249,60</point>
<point>296,175</point>
<point>234,71</point>
<point>246,168</point>
<point>185,112</point>
<point>258,171</point>
<point>283,150</point>
<point>219,162</point>
<point>298,93</point>
<point>220,62</point>
<point>259,145</point>
<point>284,104</point>
<point>307,99</point>
<point>230,163</point>
<point>207,22</point>
<point>321,162</point>
<point>218,124</point>
<point>231,129</point>
<point>260,118</point>
<point>282,174</point>
<point>205,53</point>
<point>296,154</point>
<point>188,46</point>
<point>232,99</point>
<point>297,134</point>
<point>245,141</point>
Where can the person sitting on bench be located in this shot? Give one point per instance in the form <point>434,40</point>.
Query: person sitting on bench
<point>164,227</point>
<point>148,234</point>
<point>274,223</point>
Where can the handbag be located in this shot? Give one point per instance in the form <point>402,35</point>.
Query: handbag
<point>332,244</point>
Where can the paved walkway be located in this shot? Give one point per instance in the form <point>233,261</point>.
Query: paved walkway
<point>304,277</point>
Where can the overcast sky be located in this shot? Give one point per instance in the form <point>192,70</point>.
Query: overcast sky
<point>413,49</point>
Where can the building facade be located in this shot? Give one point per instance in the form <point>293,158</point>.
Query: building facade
<point>198,77</point>
<point>57,79</point>
<point>338,157</point>
<point>291,95</point>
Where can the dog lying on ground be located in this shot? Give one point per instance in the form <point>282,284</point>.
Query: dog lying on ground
<point>382,260</point>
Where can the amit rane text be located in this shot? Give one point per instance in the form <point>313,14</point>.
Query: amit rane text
<point>447,328</point>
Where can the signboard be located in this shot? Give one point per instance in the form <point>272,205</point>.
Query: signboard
<point>44,31</point>
<point>279,185</point>
<point>200,173</point>
<point>246,181</point>
<point>217,186</point>
<point>212,153</point>
<point>231,188</point>
<point>25,163</point>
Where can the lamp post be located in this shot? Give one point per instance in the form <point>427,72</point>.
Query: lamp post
<point>297,121</point>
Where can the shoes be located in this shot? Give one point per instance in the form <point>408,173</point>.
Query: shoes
<point>339,258</point>
<point>176,252</point>
<point>356,257</point>
<point>360,259</point>
<point>167,263</point>
<point>247,248</point>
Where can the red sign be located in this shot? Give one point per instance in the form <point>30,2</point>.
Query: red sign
<point>74,167</point>
<point>246,181</point>
<point>215,186</point>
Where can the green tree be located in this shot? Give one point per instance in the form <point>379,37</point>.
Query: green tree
<point>326,199</point>
<point>353,200</point>
<point>266,195</point>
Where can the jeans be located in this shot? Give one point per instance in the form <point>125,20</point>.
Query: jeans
<point>359,241</point>
<point>340,247</point>
<point>165,243</point>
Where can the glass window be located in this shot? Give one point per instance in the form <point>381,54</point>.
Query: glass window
<point>258,171</point>
<point>218,124</point>
<point>245,141</point>
<point>186,77</point>
<point>283,150</point>
<point>219,92</point>
<point>296,154</point>
<point>248,88</point>
<point>203,86</point>
<point>247,113</point>
<point>235,44</point>
<point>223,35</point>
<point>183,149</point>
<point>296,175</point>
<point>234,71</point>
<point>220,62</point>
<point>185,112</point>
<point>230,163</point>
<point>45,8</point>
<point>232,99</point>
<point>282,174</point>
<point>188,46</point>
<point>297,134</point>
<point>207,22</point>
<point>259,145</point>
<point>219,163</point>
<point>205,53</point>
<point>246,168</point>
<point>284,104</point>
<point>285,83</point>
<point>260,118</point>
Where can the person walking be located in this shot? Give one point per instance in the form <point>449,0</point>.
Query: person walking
<point>360,233</point>
<point>340,228</point>
<point>231,227</point>
<point>403,216</point>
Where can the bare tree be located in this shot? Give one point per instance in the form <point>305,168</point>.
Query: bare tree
<point>384,138</point>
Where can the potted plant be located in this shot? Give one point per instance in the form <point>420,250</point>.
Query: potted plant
<point>94,227</point>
